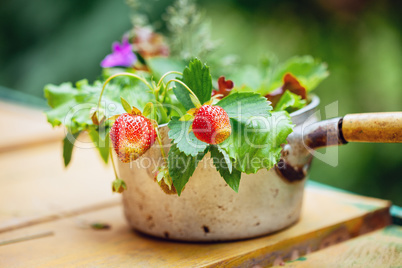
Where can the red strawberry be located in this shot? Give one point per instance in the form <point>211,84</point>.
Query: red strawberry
<point>211,124</point>
<point>131,136</point>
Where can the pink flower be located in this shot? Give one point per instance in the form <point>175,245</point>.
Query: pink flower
<point>122,55</point>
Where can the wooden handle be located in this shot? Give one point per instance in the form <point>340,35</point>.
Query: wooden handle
<point>373,127</point>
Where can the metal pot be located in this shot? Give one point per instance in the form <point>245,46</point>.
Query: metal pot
<point>268,201</point>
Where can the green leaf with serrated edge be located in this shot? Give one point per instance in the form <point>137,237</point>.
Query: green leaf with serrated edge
<point>225,168</point>
<point>101,141</point>
<point>308,71</point>
<point>68,146</point>
<point>256,144</point>
<point>186,141</point>
<point>57,95</point>
<point>290,102</point>
<point>72,105</point>
<point>181,166</point>
<point>265,78</point>
<point>226,157</point>
<point>127,107</point>
<point>75,112</point>
<point>243,105</point>
<point>197,77</point>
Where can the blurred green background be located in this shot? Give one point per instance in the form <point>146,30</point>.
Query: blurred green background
<point>46,41</point>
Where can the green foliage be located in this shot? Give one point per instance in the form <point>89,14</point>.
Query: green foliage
<point>255,144</point>
<point>73,110</point>
<point>309,71</point>
<point>243,106</point>
<point>257,134</point>
<point>127,107</point>
<point>268,76</point>
<point>224,166</point>
<point>181,166</point>
<point>72,106</point>
<point>68,146</point>
<point>185,140</point>
<point>100,138</point>
<point>197,77</point>
<point>290,102</point>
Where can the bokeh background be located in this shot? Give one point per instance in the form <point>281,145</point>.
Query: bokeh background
<point>45,41</point>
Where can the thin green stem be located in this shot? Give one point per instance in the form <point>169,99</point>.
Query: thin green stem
<point>121,74</point>
<point>158,137</point>
<point>114,167</point>
<point>166,74</point>
<point>184,85</point>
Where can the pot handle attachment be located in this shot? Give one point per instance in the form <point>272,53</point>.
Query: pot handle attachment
<point>368,127</point>
<point>372,127</point>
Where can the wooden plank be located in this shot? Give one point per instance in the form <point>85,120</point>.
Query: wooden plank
<point>327,218</point>
<point>382,248</point>
<point>24,126</point>
<point>36,187</point>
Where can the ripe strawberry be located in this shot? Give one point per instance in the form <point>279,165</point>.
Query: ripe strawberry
<point>211,124</point>
<point>131,136</point>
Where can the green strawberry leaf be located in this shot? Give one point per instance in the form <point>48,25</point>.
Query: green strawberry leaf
<point>197,77</point>
<point>186,141</point>
<point>290,102</point>
<point>225,168</point>
<point>57,95</point>
<point>68,146</point>
<point>149,111</point>
<point>73,106</point>
<point>127,107</point>
<point>181,166</point>
<point>256,144</point>
<point>243,105</point>
<point>309,71</point>
<point>101,141</point>
<point>268,76</point>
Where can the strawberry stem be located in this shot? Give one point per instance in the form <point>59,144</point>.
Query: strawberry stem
<point>166,74</point>
<point>114,167</point>
<point>158,137</point>
<point>198,103</point>
<point>121,74</point>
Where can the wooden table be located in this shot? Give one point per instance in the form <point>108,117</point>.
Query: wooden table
<point>46,214</point>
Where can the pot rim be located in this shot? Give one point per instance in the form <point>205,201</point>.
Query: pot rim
<point>301,113</point>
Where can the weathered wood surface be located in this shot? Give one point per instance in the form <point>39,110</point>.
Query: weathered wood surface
<point>22,126</point>
<point>327,218</point>
<point>382,248</point>
<point>373,127</point>
<point>34,184</point>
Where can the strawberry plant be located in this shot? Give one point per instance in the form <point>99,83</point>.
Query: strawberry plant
<point>240,120</point>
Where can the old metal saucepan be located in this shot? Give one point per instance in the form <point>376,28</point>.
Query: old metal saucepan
<point>209,210</point>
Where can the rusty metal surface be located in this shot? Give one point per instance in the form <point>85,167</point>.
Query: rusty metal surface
<point>373,127</point>
<point>322,134</point>
<point>308,136</point>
